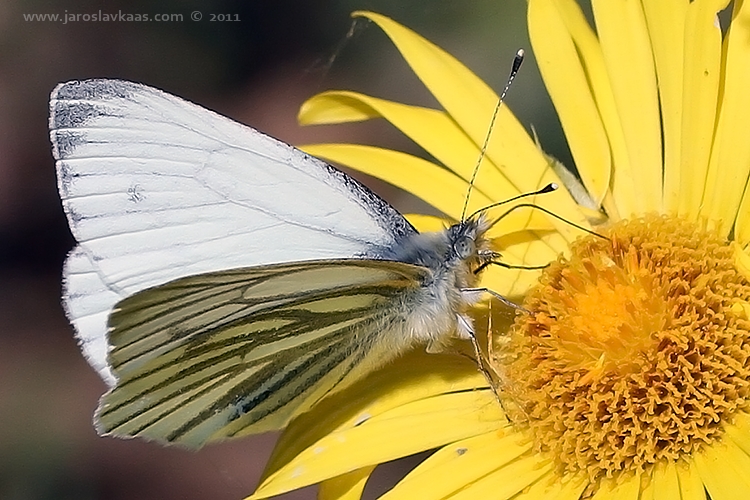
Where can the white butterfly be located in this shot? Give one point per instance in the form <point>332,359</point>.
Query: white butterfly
<point>223,281</point>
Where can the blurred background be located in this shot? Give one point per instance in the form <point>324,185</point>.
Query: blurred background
<point>258,69</point>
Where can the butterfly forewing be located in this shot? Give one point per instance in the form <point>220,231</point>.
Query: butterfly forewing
<point>156,188</point>
<point>242,351</point>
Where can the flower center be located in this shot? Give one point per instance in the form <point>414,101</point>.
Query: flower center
<point>636,350</point>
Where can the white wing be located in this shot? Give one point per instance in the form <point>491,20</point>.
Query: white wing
<point>156,188</point>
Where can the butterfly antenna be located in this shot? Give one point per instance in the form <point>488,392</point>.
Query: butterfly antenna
<point>513,72</point>
<point>548,212</point>
<point>546,189</point>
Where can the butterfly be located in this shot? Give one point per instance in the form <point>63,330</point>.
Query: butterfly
<point>223,282</point>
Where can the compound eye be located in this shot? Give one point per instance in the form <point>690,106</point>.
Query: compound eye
<point>464,247</point>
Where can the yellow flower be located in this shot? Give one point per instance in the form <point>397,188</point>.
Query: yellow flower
<point>628,378</point>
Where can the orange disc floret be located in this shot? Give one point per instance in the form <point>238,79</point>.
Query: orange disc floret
<point>636,348</point>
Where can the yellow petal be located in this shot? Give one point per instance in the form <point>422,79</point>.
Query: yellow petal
<point>742,225</point>
<point>739,431</point>
<point>405,430</point>
<point>439,135</point>
<point>730,155</point>
<point>348,486</point>
<point>592,59</point>
<point>647,492</point>
<point>334,107</point>
<point>525,235</point>
<point>627,488</point>
<point>691,484</point>
<point>562,70</point>
<point>415,376</point>
<point>444,191</point>
<point>427,223</point>
<point>433,130</point>
<point>724,467</point>
<point>702,70</point>
<point>466,98</point>
<point>471,103</point>
<point>507,481</point>
<point>668,41</point>
<point>553,486</point>
<point>454,466</point>
<point>665,485</point>
<point>631,70</point>
<point>741,260</point>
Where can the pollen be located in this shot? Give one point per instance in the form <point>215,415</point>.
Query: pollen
<point>635,349</point>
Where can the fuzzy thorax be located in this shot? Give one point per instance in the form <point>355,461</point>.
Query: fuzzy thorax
<point>438,309</point>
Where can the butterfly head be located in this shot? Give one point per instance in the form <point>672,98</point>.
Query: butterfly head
<point>461,249</point>
<point>469,245</point>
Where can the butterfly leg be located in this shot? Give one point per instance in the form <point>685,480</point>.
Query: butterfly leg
<point>480,358</point>
<point>472,292</point>
<point>472,295</point>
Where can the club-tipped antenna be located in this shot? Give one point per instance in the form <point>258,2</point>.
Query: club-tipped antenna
<point>546,211</point>
<point>546,189</point>
<point>513,72</point>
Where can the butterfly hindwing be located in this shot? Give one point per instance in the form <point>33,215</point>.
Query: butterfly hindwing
<point>242,351</point>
